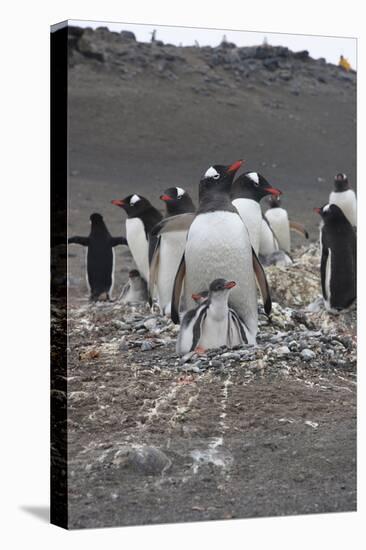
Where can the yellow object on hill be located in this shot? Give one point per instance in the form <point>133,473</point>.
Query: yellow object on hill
<point>344,63</point>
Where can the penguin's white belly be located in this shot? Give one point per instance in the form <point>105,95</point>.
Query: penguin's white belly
<point>171,250</point>
<point>268,243</point>
<point>347,202</point>
<point>328,272</point>
<point>218,246</point>
<point>278,220</point>
<point>138,245</point>
<point>251,214</point>
<point>214,332</point>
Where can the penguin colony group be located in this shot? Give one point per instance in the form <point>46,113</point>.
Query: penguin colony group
<point>201,266</point>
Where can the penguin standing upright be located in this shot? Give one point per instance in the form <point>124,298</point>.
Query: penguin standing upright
<point>218,246</point>
<point>141,218</point>
<point>169,248</point>
<point>278,220</point>
<point>246,193</point>
<point>212,324</point>
<point>99,257</point>
<point>344,198</point>
<point>338,258</point>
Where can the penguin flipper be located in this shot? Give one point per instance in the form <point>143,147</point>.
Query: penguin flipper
<point>323,269</point>
<point>177,291</point>
<point>275,240</point>
<point>115,241</point>
<point>154,267</point>
<point>262,283</point>
<point>180,222</point>
<point>84,241</point>
<point>299,228</point>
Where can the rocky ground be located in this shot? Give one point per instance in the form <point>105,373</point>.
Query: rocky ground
<point>255,431</point>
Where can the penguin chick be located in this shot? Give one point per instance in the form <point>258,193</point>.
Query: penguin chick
<point>135,290</point>
<point>212,324</point>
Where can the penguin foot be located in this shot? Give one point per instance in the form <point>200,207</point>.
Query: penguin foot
<point>199,350</point>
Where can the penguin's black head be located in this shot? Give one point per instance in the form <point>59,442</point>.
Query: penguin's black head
<point>252,185</point>
<point>177,201</point>
<point>219,178</point>
<point>341,183</point>
<point>134,205</point>
<point>330,213</point>
<point>274,201</point>
<point>221,285</point>
<point>96,218</point>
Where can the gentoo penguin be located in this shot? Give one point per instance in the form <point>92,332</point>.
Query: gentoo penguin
<point>345,198</point>
<point>169,248</point>
<point>280,224</point>
<point>338,258</point>
<point>135,290</point>
<point>218,246</point>
<point>246,193</point>
<point>212,323</point>
<point>99,257</point>
<point>141,218</point>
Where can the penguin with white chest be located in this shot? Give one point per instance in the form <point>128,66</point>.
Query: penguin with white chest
<point>280,224</point>
<point>141,218</point>
<point>338,258</point>
<point>169,248</point>
<point>212,323</point>
<point>218,246</point>
<point>99,257</point>
<point>344,197</point>
<point>135,290</point>
<point>246,192</point>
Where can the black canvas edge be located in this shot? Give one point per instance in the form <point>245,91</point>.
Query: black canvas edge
<point>58,359</point>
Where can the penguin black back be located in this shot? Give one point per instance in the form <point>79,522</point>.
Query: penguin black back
<point>338,261</point>
<point>100,256</point>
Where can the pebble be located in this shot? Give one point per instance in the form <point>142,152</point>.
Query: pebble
<point>282,350</point>
<point>307,354</point>
<point>146,346</point>
<point>144,459</point>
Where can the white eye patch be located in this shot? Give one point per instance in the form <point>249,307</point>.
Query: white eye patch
<point>134,199</point>
<point>254,177</point>
<point>180,191</point>
<point>212,173</point>
<point>326,208</point>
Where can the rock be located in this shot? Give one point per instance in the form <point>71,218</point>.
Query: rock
<point>307,354</point>
<point>146,460</point>
<point>282,350</point>
<point>146,346</point>
<point>128,36</point>
<point>303,55</point>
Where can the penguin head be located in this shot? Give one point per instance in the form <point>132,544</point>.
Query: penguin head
<point>274,201</point>
<point>254,186</point>
<point>96,219</point>
<point>330,213</point>
<point>220,287</point>
<point>200,297</point>
<point>219,177</point>
<point>341,183</point>
<point>177,201</point>
<point>134,205</point>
